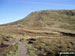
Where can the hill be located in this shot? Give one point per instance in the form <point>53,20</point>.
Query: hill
<point>61,20</point>
<point>41,33</point>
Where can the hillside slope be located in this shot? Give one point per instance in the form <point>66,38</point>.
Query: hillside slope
<point>41,33</point>
<point>48,19</point>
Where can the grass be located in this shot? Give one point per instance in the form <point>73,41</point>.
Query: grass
<point>50,46</point>
<point>11,54</point>
<point>63,19</point>
<point>6,46</point>
<point>40,44</point>
<point>31,50</point>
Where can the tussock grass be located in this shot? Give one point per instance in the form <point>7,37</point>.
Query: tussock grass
<point>50,46</point>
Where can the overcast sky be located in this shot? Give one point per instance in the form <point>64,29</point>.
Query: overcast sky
<point>12,10</point>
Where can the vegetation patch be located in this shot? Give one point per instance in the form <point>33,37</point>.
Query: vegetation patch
<point>7,46</point>
<point>50,46</point>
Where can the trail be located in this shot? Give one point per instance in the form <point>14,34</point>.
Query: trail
<point>22,50</point>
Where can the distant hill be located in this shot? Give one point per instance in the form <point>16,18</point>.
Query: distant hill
<point>48,19</point>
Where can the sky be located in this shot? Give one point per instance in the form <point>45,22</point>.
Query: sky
<point>13,10</point>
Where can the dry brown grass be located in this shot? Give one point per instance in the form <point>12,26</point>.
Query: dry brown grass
<point>50,46</point>
<point>45,27</point>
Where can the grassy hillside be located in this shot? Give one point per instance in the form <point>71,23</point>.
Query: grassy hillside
<point>48,19</point>
<point>45,33</point>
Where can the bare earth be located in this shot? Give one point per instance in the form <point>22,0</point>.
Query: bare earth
<point>22,50</point>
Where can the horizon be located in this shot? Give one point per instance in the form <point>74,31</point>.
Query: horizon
<point>11,11</point>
